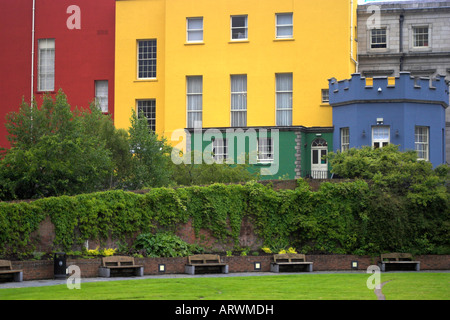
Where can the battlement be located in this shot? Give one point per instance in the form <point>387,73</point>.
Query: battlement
<point>389,89</point>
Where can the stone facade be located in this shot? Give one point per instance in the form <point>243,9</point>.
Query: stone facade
<point>399,48</point>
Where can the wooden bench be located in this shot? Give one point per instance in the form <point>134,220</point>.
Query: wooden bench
<point>6,271</point>
<point>206,263</point>
<point>398,261</point>
<point>120,265</point>
<point>291,262</point>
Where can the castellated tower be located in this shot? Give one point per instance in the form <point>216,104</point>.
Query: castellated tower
<point>406,111</point>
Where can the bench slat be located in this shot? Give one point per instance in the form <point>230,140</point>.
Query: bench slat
<point>204,259</point>
<point>5,265</point>
<point>117,261</point>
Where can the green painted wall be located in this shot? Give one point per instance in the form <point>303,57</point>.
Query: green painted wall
<point>287,151</point>
<point>286,158</point>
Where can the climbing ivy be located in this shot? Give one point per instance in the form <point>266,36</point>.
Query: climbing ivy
<point>343,218</point>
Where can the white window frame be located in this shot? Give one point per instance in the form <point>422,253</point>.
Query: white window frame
<point>101,95</point>
<point>371,37</point>
<point>278,93</point>
<point>150,74</point>
<point>233,28</point>
<point>190,108</point>
<point>46,65</point>
<point>345,139</point>
<point>191,30</point>
<point>414,34</point>
<point>236,109</point>
<point>278,26</point>
<point>420,144</point>
<point>150,115</point>
<point>220,150</point>
<point>265,150</point>
<point>382,142</point>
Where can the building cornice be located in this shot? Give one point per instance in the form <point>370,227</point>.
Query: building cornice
<point>282,129</point>
<point>413,7</point>
<point>404,54</point>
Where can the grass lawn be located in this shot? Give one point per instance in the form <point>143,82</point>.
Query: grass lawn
<point>340,286</point>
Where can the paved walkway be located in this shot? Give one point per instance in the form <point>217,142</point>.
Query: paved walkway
<point>39,283</point>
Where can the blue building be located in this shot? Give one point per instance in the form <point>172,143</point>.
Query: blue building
<point>406,111</point>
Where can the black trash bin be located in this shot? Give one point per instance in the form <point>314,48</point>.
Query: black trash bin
<point>59,261</point>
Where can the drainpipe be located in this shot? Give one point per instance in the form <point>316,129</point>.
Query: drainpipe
<point>352,30</point>
<point>401,19</point>
<point>32,52</point>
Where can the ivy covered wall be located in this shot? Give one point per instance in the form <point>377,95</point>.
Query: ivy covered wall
<point>343,218</point>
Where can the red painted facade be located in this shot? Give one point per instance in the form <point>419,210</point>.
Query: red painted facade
<point>83,51</point>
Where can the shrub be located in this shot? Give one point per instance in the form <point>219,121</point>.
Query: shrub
<point>163,244</point>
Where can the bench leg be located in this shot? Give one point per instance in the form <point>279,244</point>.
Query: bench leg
<point>139,272</point>
<point>104,272</point>
<point>274,268</point>
<point>382,266</point>
<point>417,267</point>
<point>18,277</point>
<point>189,269</point>
<point>225,269</point>
<point>309,268</point>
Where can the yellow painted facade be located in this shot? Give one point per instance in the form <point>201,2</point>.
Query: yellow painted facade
<point>322,47</point>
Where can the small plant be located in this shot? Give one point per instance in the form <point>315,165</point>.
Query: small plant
<point>37,255</point>
<point>108,252</point>
<point>229,253</point>
<point>93,252</point>
<point>291,250</point>
<point>266,250</point>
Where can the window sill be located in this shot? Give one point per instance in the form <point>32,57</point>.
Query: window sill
<point>264,163</point>
<point>146,80</point>
<point>44,92</point>
<point>239,41</point>
<point>283,39</point>
<point>378,49</point>
<point>323,104</point>
<point>420,49</point>
<point>194,43</point>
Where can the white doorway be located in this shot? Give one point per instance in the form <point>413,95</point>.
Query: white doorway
<point>319,163</point>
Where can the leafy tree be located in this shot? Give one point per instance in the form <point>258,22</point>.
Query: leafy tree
<point>116,141</point>
<point>150,163</point>
<point>409,202</point>
<point>54,151</point>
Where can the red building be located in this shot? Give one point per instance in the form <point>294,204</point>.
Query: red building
<point>47,45</point>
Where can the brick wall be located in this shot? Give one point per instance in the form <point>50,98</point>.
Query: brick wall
<point>43,238</point>
<point>38,270</point>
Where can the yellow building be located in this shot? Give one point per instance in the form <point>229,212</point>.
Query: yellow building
<point>233,63</point>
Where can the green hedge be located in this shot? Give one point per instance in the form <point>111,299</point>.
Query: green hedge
<point>343,218</point>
